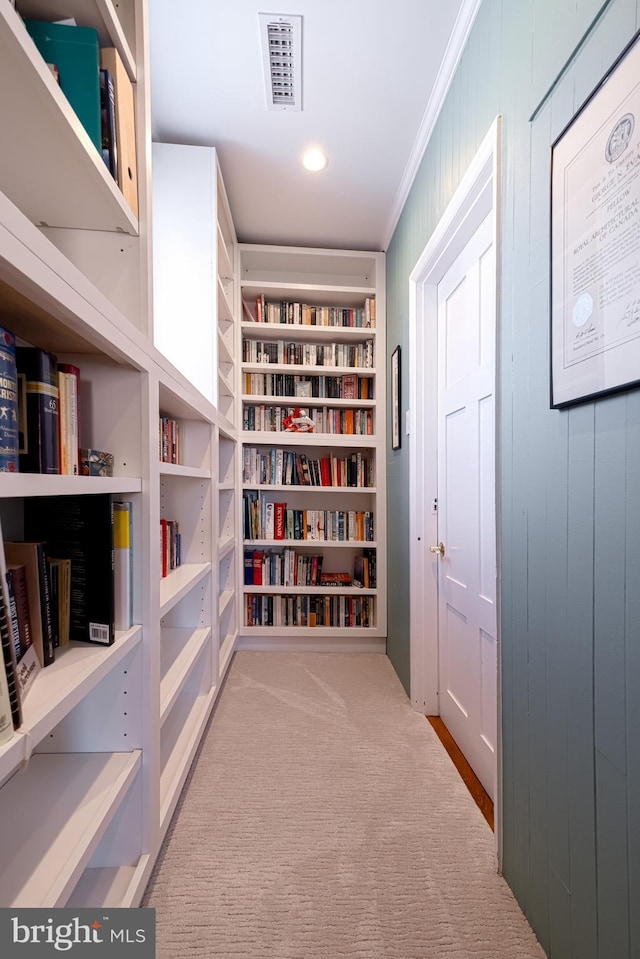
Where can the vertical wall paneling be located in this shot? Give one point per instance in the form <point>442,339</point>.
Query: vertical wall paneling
<point>632,618</point>
<point>609,675</point>
<point>570,523</point>
<point>579,679</point>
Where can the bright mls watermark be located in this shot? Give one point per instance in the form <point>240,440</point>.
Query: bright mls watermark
<point>79,933</point>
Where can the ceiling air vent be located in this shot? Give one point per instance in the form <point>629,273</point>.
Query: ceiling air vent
<point>281,37</point>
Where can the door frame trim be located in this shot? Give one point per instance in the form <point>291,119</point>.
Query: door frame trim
<point>477,195</point>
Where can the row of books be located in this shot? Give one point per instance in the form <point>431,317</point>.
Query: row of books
<point>289,567</point>
<point>39,411</point>
<point>342,611</point>
<point>170,440</point>
<point>265,520</point>
<point>350,386</point>
<point>69,580</point>
<point>343,422</point>
<point>356,355</point>
<point>277,466</point>
<point>98,88</point>
<point>282,568</point>
<point>296,313</point>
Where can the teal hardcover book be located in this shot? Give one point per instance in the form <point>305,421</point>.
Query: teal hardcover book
<point>74,51</point>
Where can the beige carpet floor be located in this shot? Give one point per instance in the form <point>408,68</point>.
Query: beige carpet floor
<point>323,819</point>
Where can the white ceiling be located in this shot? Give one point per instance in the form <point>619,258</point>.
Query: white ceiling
<point>374,74</point>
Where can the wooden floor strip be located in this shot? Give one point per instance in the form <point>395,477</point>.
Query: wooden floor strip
<point>473,784</point>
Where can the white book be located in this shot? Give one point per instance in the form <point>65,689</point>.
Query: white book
<point>123,566</point>
<point>269,525</point>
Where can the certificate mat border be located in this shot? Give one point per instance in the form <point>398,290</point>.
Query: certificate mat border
<point>556,372</point>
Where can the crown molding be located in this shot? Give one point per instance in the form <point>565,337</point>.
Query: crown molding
<point>448,67</point>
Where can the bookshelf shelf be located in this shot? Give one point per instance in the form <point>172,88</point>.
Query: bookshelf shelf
<point>312,590</point>
<point>35,484</point>
<point>42,865</point>
<point>225,305</point>
<point>226,599</point>
<point>262,399</point>
<point>109,886</point>
<point>226,269</point>
<point>306,332</point>
<point>226,546</point>
<point>307,370</point>
<point>314,294</point>
<point>179,582</point>
<point>313,638</point>
<point>77,669</point>
<point>181,734</point>
<point>191,472</point>
<point>180,650</point>
<point>224,352</point>
<point>280,282</point>
<point>226,651</point>
<point>310,544</point>
<point>101,15</point>
<point>291,488</point>
<point>53,148</point>
<point>283,438</point>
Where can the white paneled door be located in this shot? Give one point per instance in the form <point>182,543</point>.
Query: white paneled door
<point>466,503</point>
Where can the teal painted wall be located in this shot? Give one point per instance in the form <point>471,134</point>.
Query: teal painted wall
<point>570,483</point>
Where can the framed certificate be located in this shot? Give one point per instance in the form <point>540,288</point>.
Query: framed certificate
<point>595,241</point>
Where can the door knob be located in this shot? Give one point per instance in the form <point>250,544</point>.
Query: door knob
<point>437,549</point>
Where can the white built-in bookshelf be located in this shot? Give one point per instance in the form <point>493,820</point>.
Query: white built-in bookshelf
<point>312,330</point>
<point>228,375</point>
<point>109,733</point>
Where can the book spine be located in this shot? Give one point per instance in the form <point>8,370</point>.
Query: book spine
<point>9,670</point>
<point>69,418</point>
<point>122,564</point>
<point>124,125</point>
<point>48,643</point>
<point>38,426</point>
<point>53,572</point>
<point>248,567</point>
<point>13,615</point>
<point>63,423</point>
<point>17,579</point>
<point>108,122</point>
<point>258,557</point>
<point>279,520</point>
<point>9,461</point>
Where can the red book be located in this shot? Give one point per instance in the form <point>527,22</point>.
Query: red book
<point>163,546</point>
<point>325,471</point>
<point>350,387</point>
<point>257,567</point>
<point>279,520</point>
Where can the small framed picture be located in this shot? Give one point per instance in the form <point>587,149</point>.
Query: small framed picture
<point>395,399</point>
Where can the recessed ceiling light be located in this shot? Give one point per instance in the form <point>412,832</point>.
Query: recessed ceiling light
<point>314,160</point>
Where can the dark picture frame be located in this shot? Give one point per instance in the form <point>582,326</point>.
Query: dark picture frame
<point>395,399</point>
<point>595,241</point>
